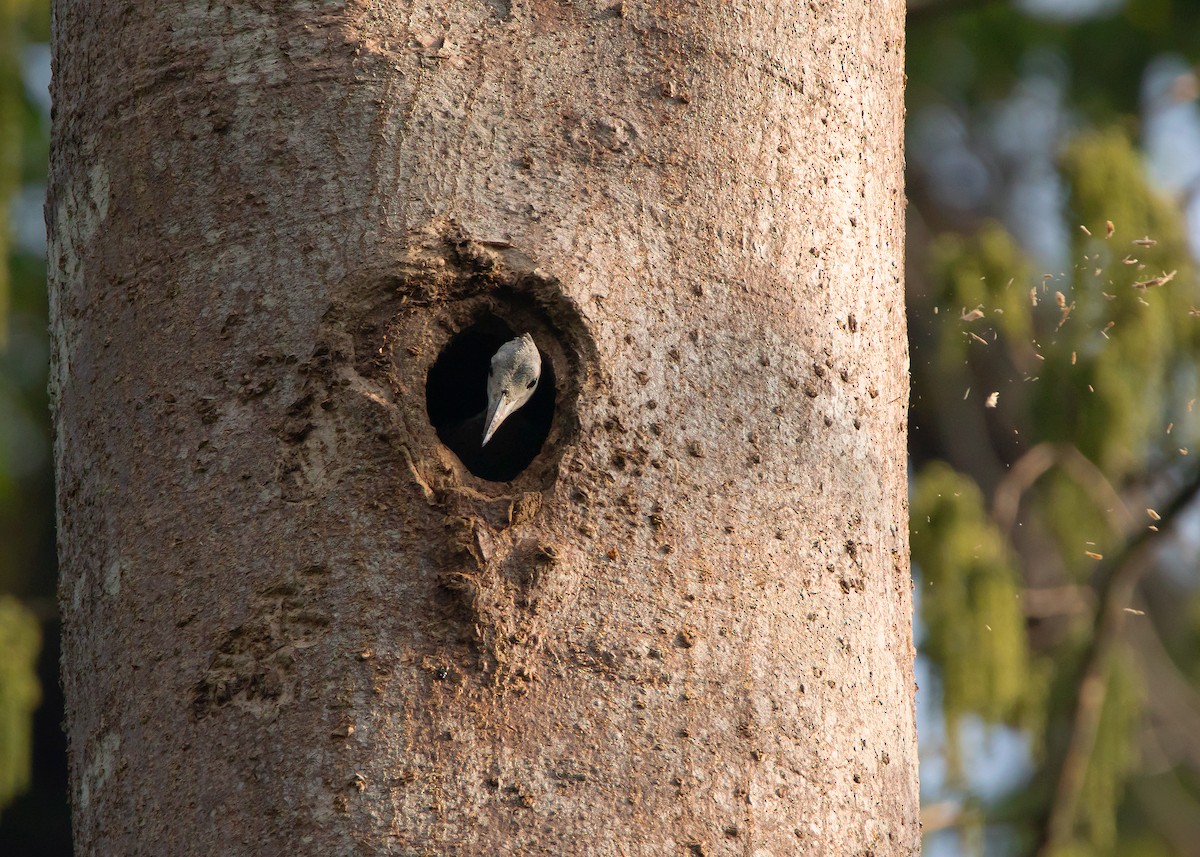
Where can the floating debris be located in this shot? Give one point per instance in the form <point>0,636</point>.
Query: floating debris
<point>1063,307</point>
<point>1154,282</point>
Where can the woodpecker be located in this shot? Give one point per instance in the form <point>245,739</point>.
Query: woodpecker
<point>512,380</point>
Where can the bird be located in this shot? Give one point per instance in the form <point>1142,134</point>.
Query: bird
<point>502,439</point>
<point>512,380</point>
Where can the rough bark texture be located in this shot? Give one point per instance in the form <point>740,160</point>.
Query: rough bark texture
<point>294,623</point>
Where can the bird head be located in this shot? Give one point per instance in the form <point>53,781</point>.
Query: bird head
<point>512,380</point>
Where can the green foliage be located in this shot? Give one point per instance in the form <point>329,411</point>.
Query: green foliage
<point>1094,365</point>
<point>988,270</point>
<point>18,135</point>
<point>1075,516</point>
<point>1096,372</point>
<point>10,139</point>
<point>20,693</point>
<point>969,600</point>
<point>1113,756</point>
<point>1077,848</point>
<point>25,485</point>
<point>1112,760</point>
<point>971,53</point>
<point>22,145</point>
<point>1126,340</point>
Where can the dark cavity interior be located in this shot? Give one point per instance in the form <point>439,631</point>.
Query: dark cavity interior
<point>456,399</point>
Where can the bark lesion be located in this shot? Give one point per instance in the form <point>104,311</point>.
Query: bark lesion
<point>252,668</point>
<point>495,582</point>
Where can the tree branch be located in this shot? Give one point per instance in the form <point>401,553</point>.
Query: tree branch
<point>1115,588</point>
<point>1173,701</point>
<point>1047,601</point>
<point>1030,467</point>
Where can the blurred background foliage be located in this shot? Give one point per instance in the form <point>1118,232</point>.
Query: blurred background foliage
<point>34,817</point>
<point>1054,224</point>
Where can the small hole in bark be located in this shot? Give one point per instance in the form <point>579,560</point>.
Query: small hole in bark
<point>456,399</point>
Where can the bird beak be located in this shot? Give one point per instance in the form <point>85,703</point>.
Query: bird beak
<point>498,411</point>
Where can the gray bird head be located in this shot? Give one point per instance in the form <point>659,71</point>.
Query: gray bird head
<point>512,380</point>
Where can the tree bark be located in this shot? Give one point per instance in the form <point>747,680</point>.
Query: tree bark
<point>295,623</point>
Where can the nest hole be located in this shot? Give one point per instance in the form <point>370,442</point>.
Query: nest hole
<point>456,400</point>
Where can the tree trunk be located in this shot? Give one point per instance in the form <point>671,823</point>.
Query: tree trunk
<point>296,622</point>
